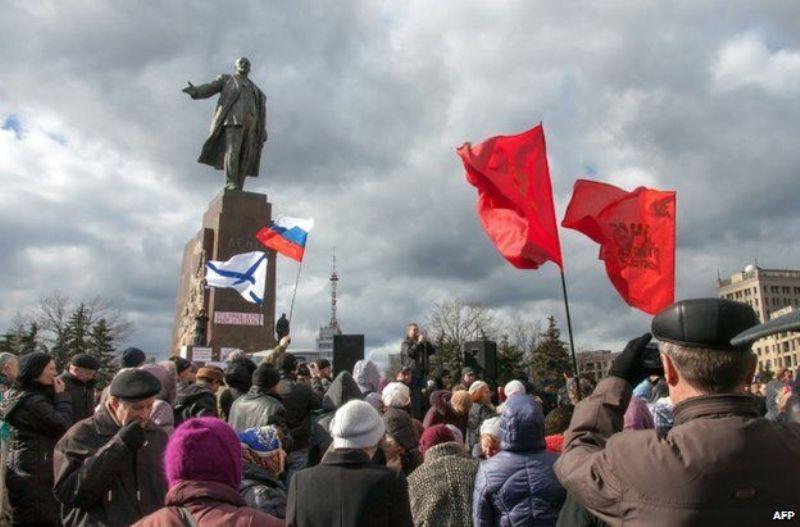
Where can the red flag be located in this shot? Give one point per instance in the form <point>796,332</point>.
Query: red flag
<point>515,200</point>
<point>636,233</point>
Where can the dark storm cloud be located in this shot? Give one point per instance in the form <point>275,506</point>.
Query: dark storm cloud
<point>367,104</point>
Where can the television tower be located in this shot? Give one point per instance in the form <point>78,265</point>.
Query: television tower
<point>334,279</point>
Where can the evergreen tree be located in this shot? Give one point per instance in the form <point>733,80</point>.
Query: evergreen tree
<point>76,335</point>
<point>9,343</point>
<point>550,359</point>
<point>101,346</point>
<point>510,361</point>
<point>28,341</point>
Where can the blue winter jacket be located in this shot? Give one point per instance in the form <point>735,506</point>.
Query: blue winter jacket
<point>517,487</point>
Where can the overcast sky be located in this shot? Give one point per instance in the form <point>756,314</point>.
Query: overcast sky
<point>367,102</point>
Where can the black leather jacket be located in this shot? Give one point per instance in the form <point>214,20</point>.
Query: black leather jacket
<point>259,408</point>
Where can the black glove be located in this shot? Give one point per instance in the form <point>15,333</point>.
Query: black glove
<point>629,365</point>
<point>132,434</point>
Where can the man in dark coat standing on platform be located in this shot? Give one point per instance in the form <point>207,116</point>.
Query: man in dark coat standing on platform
<point>415,354</point>
<point>109,467</point>
<point>347,489</point>
<point>79,383</point>
<point>721,463</point>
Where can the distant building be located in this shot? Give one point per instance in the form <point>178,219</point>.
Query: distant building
<point>771,293</point>
<point>326,333</point>
<point>595,363</point>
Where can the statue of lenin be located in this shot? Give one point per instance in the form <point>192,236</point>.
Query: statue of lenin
<point>239,127</point>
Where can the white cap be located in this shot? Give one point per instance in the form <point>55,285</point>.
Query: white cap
<point>491,427</point>
<point>396,395</point>
<point>513,388</point>
<point>356,425</point>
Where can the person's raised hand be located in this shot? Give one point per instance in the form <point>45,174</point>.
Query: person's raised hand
<point>628,365</point>
<point>58,385</point>
<point>285,341</point>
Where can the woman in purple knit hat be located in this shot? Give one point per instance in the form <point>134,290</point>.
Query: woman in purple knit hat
<point>203,465</point>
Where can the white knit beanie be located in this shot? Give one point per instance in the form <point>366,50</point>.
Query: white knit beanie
<point>396,395</point>
<point>356,425</point>
<point>513,388</point>
<point>491,427</point>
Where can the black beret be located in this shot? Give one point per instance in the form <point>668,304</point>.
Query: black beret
<point>83,360</point>
<point>787,322</point>
<point>133,358</point>
<point>704,323</point>
<point>134,385</point>
<point>469,370</point>
<point>266,376</point>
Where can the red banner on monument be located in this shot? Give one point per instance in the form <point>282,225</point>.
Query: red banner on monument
<point>515,199</point>
<point>636,233</point>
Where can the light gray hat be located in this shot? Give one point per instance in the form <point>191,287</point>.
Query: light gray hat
<point>356,425</point>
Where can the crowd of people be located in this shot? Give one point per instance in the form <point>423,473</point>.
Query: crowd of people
<point>280,442</point>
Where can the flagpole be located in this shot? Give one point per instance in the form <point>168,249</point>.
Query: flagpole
<point>569,325</point>
<point>296,282</point>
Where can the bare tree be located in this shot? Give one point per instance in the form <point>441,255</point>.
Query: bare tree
<point>52,316</point>
<point>453,323</point>
<point>118,328</point>
<point>524,335</point>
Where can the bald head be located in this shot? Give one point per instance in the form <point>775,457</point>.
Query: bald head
<point>243,65</point>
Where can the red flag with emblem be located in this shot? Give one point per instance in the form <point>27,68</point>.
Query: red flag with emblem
<point>636,233</point>
<point>515,199</point>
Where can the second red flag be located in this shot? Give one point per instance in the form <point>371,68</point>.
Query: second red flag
<point>636,233</point>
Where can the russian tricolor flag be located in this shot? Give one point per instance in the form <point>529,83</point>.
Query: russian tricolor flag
<point>287,236</point>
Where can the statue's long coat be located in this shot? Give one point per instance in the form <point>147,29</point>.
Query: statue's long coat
<point>213,152</point>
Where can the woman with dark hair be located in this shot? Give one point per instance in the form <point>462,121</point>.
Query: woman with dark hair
<point>38,411</point>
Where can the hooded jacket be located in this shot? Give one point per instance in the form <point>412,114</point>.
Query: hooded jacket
<point>101,481</point>
<point>37,417</point>
<point>342,389</point>
<point>367,376</point>
<point>207,504</point>
<point>518,486</point>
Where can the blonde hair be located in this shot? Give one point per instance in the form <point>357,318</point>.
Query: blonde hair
<point>461,401</point>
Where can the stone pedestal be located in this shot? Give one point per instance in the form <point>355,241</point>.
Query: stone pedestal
<point>229,228</point>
